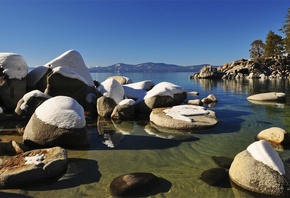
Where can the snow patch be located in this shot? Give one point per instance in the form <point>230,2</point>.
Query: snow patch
<point>262,151</point>
<point>62,111</point>
<point>13,65</point>
<point>112,89</point>
<point>164,89</point>
<point>73,61</point>
<point>34,93</point>
<point>69,73</point>
<point>37,159</point>
<point>145,85</point>
<point>129,102</point>
<point>180,112</point>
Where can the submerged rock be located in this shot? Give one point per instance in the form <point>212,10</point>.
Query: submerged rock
<point>270,96</point>
<point>216,177</point>
<point>134,184</point>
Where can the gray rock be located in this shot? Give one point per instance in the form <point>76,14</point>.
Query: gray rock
<point>105,106</point>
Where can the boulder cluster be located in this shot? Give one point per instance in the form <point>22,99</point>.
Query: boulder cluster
<point>263,67</point>
<point>56,100</point>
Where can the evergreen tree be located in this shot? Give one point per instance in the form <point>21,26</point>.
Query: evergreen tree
<point>257,49</point>
<point>286,29</point>
<point>274,45</point>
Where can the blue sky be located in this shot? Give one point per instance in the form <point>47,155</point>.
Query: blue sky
<point>108,32</point>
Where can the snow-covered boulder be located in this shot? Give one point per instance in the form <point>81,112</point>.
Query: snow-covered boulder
<point>33,167</point>
<point>29,102</point>
<point>59,121</point>
<point>144,85</point>
<point>270,96</point>
<point>260,169</point>
<point>138,90</point>
<point>124,110</point>
<point>13,72</point>
<point>13,66</point>
<point>182,118</point>
<point>72,60</point>
<point>111,88</point>
<point>163,94</point>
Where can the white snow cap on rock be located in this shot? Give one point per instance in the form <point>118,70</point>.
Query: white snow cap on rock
<point>69,73</point>
<point>72,60</point>
<point>262,151</point>
<point>63,112</point>
<point>164,89</point>
<point>180,112</point>
<point>34,93</point>
<point>128,102</point>
<point>111,88</point>
<point>14,65</point>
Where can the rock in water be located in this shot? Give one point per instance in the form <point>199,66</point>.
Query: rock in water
<point>260,169</point>
<point>33,167</point>
<point>134,184</point>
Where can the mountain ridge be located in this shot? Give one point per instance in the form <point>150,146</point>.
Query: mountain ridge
<point>146,67</point>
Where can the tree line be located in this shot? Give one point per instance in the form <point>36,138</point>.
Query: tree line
<point>274,44</point>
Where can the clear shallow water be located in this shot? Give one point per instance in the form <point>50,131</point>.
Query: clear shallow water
<point>136,147</point>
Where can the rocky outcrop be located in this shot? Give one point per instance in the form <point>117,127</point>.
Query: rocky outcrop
<point>33,167</point>
<point>59,121</point>
<point>260,169</point>
<point>264,67</point>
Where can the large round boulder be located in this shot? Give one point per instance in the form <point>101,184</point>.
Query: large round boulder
<point>260,169</point>
<point>182,118</point>
<point>33,167</point>
<point>59,121</point>
<point>275,135</point>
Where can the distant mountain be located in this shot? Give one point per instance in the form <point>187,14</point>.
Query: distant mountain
<point>145,67</point>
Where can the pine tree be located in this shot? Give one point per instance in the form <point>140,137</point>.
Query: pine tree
<point>257,49</point>
<point>286,29</point>
<point>274,45</point>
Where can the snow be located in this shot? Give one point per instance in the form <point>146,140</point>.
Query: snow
<point>37,159</point>
<point>180,112</point>
<point>72,60</point>
<point>1,110</point>
<point>35,75</point>
<point>262,151</point>
<point>145,85</point>
<point>69,73</point>
<point>13,65</point>
<point>164,89</point>
<point>129,102</point>
<point>62,111</point>
<point>134,93</point>
<point>34,93</point>
<point>112,89</point>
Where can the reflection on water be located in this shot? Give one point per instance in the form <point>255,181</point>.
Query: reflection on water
<point>135,146</point>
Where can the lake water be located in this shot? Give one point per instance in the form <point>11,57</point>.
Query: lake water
<point>134,146</point>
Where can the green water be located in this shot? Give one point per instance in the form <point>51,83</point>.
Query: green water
<point>181,160</point>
